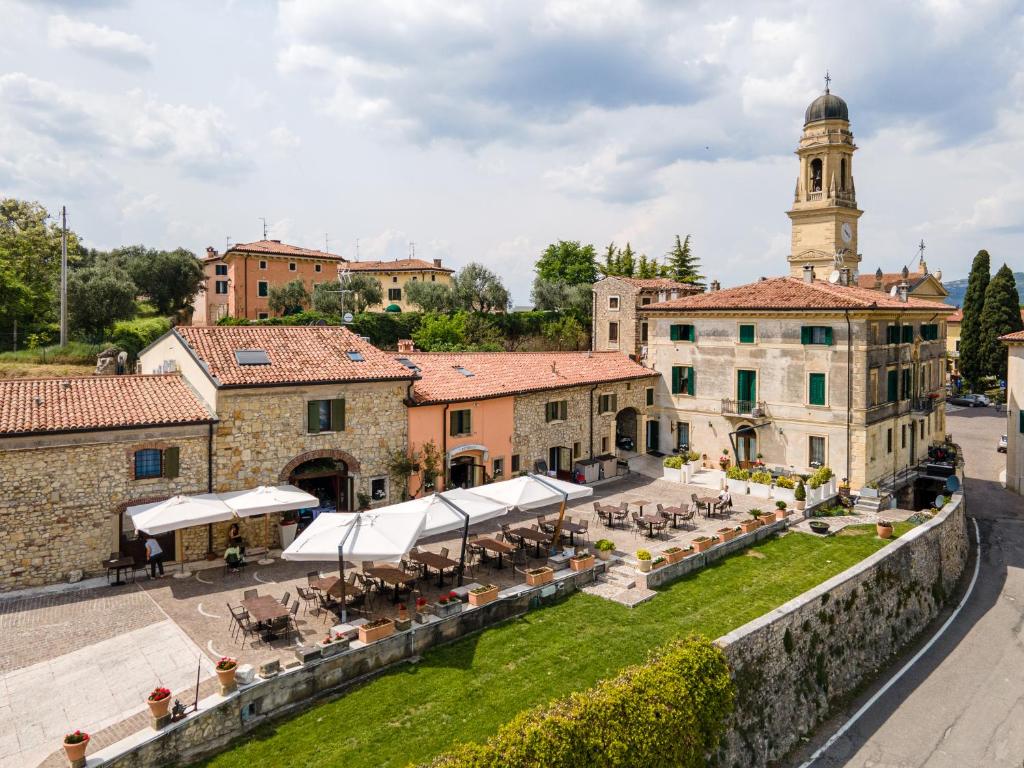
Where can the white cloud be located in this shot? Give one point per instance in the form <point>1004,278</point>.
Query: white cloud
<point>282,138</point>
<point>110,45</point>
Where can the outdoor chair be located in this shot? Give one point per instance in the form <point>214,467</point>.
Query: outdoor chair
<point>444,551</point>
<point>250,593</point>
<point>328,606</point>
<point>584,530</point>
<point>638,524</point>
<point>311,577</point>
<point>655,529</point>
<point>308,598</point>
<point>234,613</point>
<point>367,565</point>
<point>246,627</point>
<point>284,600</point>
<point>621,513</point>
<point>688,515</point>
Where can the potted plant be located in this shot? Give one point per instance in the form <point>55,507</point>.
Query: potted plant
<point>736,479</point>
<point>723,460</point>
<point>760,484</point>
<point>483,595</point>
<point>766,518</point>
<point>376,630</point>
<point>403,622</point>
<point>672,468</point>
<point>800,496</point>
<point>226,669</point>
<point>448,604</point>
<point>581,562</point>
<point>675,554</point>
<point>422,610</point>
<point>819,527</point>
<point>726,534</point>
<point>643,560</point>
<point>751,525</point>
<point>604,548</point>
<point>537,576</point>
<point>363,500</point>
<point>784,489</point>
<point>702,543</point>
<point>332,644</point>
<point>658,562</point>
<point>780,510</point>
<point>159,700</point>
<point>884,529</point>
<point>287,527</point>
<point>75,744</point>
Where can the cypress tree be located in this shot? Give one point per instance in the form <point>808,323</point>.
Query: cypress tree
<point>627,263</point>
<point>971,363</point>
<point>681,264</point>
<point>999,316</point>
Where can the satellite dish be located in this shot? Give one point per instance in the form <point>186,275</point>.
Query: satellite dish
<point>940,501</point>
<point>834,277</point>
<point>347,317</point>
<point>894,290</point>
<point>952,484</point>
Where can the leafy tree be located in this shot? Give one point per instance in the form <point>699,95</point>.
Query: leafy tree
<point>565,333</point>
<point>1000,315</point>
<point>516,327</point>
<point>627,261</point>
<point>171,279</point>
<point>439,333</point>
<point>478,289</point>
<point>289,299</point>
<point>681,264</point>
<point>430,297</point>
<point>971,363</point>
<point>363,291</point>
<point>611,260</point>
<point>482,334</point>
<point>557,295</point>
<point>568,261</point>
<point>648,268</point>
<point>97,298</point>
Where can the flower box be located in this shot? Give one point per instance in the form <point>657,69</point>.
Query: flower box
<point>442,610</point>
<point>376,630</point>
<point>483,595</point>
<point>537,576</point>
<point>762,490</point>
<point>767,518</point>
<point>702,544</point>
<point>331,647</point>
<point>737,486</point>
<point>787,495</point>
<point>672,475</point>
<point>749,526</point>
<point>423,616</point>
<point>403,625</point>
<point>726,534</point>
<point>658,562</point>
<point>675,554</point>
<point>581,562</point>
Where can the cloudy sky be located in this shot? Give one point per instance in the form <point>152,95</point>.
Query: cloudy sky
<point>483,131</point>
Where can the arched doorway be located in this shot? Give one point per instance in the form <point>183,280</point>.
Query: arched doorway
<point>465,472</point>
<point>328,479</point>
<point>746,446</point>
<point>626,423</point>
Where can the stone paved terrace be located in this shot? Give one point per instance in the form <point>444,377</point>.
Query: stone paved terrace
<point>154,631</point>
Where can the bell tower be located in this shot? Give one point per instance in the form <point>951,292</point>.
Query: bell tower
<point>824,212</point>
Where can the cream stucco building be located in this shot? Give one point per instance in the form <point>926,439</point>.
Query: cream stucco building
<point>1015,411</point>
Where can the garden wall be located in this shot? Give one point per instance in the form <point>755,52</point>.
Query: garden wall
<point>794,665</point>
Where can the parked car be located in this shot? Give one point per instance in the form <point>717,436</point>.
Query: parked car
<point>970,401</point>
<point>1002,444</point>
<point>625,443</point>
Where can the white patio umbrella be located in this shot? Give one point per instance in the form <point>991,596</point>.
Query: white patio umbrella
<point>450,511</point>
<point>265,500</point>
<point>532,491</point>
<point>361,535</point>
<point>179,512</point>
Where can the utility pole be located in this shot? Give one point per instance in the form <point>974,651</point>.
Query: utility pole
<point>63,276</point>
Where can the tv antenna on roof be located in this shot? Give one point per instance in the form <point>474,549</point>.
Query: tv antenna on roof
<point>834,277</point>
<point>261,218</point>
<point>920,251</point>
<point>343,276</point>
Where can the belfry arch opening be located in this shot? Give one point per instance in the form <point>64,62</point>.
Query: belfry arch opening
<point>816,175</point>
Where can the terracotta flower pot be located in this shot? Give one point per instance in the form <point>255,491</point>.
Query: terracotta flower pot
<point>483,598</point>
<point>702,545</point>
<point>749,526</point>
<point>581,563</point>
<point>227,676</point>
<point>884,531</point>
<point>675,557</point>
<point>767,518</point>
<point>386,629</point>
<point>539,576</point>
<point>726,534</point>
<point>76,751</point>
<point>159,708</point>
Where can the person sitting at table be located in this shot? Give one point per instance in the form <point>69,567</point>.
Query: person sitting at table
<point>233,557</point>
<point>235,538</point>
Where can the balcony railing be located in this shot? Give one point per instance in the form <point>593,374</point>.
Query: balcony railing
<point>755,408</point>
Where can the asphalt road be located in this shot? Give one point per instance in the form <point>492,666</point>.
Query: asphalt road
<point>962,704</point>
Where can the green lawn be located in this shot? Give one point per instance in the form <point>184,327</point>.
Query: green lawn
<point>464,691</point>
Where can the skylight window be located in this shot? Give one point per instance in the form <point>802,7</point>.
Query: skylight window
<point>465,372</point>
<point>407,363</point>
<point>251,357</point>
<point>355,357</point>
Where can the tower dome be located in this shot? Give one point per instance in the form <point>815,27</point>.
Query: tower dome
<point>828,106</point>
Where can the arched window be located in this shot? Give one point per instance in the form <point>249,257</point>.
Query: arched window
<point>842,174</point>
<point>816,175</point>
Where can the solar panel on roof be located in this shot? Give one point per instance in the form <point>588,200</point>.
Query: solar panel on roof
<point>355,357</point>
<point>407,363</point>
<point>251,357</point>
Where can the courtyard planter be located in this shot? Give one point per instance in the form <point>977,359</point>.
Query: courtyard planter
<point>373,631</point>
<point>483,595</point>
<point>672,475</point>
<point>749,526</point>
<point>581,562</point>
<point>332,645</point>
<point>762,490</point>
<point>814,495</point>
<point>658,562</point>
<point>75,745</point>
<point>766,518</point>
<point>226,669</point>
<point>604,548</point>
<point>884,530</point>
<point>787,495</point>
<point>737,486</point>
<point>781,514</point>
<point>644,566</point>
<point>535,577</point>
<point>819,526</point>
<point>726,534</point>
<point>675,554</point>
<point>702,543</point>
<point>801,504</point>
<point>159,701</point>
<point>447,608</point>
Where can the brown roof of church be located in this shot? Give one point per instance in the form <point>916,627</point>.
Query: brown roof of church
<point>90,403</point>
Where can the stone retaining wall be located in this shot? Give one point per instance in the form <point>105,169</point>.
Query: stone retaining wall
<point>793,666</point>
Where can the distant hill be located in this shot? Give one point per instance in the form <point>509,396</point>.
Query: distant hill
<point>958,288</point>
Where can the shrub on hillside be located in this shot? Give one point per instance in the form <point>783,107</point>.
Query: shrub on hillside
<point>134,335</point>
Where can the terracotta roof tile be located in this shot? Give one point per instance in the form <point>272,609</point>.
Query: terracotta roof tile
<point>398,265</point>
<point>659,283</point>
<point>793,293</point>
<point>277,248</point>
<point>30,406</point>
<point>302,354</point>
<point>1017,337</point>
<point>506,373</point>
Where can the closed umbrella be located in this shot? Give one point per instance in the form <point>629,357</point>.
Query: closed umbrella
<point>179,512</point>
<point>265,500</point>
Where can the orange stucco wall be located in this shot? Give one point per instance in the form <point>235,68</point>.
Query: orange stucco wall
<point>492,427</point>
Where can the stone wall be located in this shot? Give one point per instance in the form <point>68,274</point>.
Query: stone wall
<point>793,666</point>
<point>625,315</point>
<point>63,494</point>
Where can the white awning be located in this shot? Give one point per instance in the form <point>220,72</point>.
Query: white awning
<point>179,512</point>
<point>366,535</point>
<point>531,491</point>
<point>441,517</point>
<point>267,499</point>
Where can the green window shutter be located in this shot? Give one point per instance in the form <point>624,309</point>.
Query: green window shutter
<point>816,389</point>
<point>615,403</point>
<point>892,384</point>
<point>171,461</point>
<point>677,379</point>
<point>805,334</point>
<point>908,334</point>
<point>828,336</point>
<point>746,334</point>
<point>906,384</point>
<point>689,381</point>
<point>690,335</point>
<point>467,422</point>
<point>1021,421</point>
<point>338,415</point>
<point>674,332</point>
<point>313,416</point>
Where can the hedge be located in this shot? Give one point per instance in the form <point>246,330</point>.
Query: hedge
<point>135,335</point>
<point>670,711</point>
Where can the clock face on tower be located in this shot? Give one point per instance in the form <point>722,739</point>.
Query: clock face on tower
<point>847,232</point>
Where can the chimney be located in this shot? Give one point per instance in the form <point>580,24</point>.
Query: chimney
<point>878,279</point>
<point>715,285</point>
<point>437,263</point>
<point>211,252</point>
<point>844,276</point>
<point>808,273</point>
<point>406,346</point>
<point>903,291</point>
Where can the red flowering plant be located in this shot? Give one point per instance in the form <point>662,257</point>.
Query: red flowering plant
<point>159,694</point>
<point>337,636</point>
<point>443,600</point>
<point>453,596</point>
<point>226,663</point>
<point>76,738</point>
<point>421,602</point>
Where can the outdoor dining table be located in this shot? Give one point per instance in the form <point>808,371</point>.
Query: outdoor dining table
<point>331,585</point>
<point>537,537</point>
<point>606,513</point>
<point>675,512</point>
<point>641,503</point>
<point>117,565</point>
<point>708,502</point>
<point>389,574</point>
<point>264,610</point>
<point>433,560</point>
<point>493,545</point>
<point>650,521</point>
<point>571,528</point>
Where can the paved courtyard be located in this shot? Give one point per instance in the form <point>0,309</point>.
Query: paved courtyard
<point>111,645</point>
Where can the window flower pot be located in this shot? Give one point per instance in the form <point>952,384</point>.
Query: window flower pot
<point>767,518</point>
<point>537,576</point>
<point>884,530</point>
<point>483,596</point>
<point>76,751</point>
<point>726,534</point>
<point>376,630</point>
<point>582,563</point>
<point>675,554</point>
<point>702,544</point>
<point>749,526</point>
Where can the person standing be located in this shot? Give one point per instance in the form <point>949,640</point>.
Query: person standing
<point>154,556</point>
